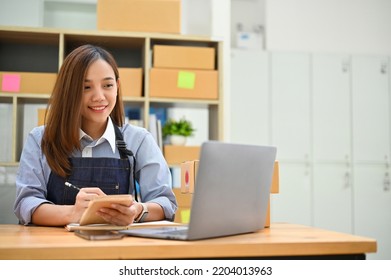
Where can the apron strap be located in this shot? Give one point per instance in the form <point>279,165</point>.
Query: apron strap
<point>125,154</point>
<point>121,145</point>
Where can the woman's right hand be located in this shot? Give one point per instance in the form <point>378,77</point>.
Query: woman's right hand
<point>84,196</point>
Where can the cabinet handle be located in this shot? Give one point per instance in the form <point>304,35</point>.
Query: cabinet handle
<point>383,67</point>
<point>347,180</point>
<point>386,183</point>
<point>345,66</point>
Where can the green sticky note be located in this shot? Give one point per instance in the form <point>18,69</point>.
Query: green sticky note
<point>186,80</point>
<point>185,216</point>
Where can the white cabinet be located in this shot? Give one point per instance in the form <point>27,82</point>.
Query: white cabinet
<point>331,107</point>
<point>333,196</point>
<point>371,108</point>
<point>331,126</point>
<point>371,150</point>
<point>330,120</point>
<point>290,130</point>
<point>372,206</point>
<point>293,203</point>
<point>290,90</point>
<point>250,98</point>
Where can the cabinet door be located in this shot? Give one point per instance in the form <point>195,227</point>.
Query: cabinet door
<point>371,105</point>
<point>372,206</point>
<point>331,107</point>
<point>293,203</point>
<point>290,88</point>
<point>249,115</point>
<point>333,196</point>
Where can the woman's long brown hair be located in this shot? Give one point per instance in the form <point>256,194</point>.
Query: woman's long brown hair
<point>63,117</point>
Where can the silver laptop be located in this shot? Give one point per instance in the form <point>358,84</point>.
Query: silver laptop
<point>231,193</point>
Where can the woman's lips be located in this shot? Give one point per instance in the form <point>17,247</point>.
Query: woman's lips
<point>98,108</point>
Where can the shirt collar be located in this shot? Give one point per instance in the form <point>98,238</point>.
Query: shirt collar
<point>108,135</point>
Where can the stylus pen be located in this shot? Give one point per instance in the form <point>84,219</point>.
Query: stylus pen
<point>71,186</point>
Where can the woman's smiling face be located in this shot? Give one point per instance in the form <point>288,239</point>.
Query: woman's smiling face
<point>99,97</point>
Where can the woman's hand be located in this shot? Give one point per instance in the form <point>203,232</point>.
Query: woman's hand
<point>84,196</point>
<point>120,214</point>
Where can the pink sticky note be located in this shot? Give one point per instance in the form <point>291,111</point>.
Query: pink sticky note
<point>11,82</point>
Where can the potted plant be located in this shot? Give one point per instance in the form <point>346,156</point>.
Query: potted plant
<point>177,131</point>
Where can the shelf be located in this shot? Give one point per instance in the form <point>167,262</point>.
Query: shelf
<point>42,50</point>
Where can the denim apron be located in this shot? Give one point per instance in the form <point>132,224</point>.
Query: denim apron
<point>111,175</point>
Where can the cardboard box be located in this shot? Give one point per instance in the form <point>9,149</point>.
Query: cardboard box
<point>27,82</point>
<point>131,81</point>
<point>184,203</point>
<point>191,84</point>
<point>191,167</point>
<point>139,15</point>
<point>267,221</point>
<point>175,155</point>
<point>41,116</point>
<point>183,57</point>
<point>275,188</point>
<point>188,176</point>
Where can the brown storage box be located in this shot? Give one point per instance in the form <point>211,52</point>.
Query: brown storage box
<point>275,188</point>
<point>191,84</point>
<point>27,82</point>
<point>41,116</point>
<point>139,15</point>
<point>189,171</point>
<point>131,81</point>
<point>183,57</point>
<point>188,175</point>
<point>191,166</point>
<point>175,155</point>
<point>184,203</point>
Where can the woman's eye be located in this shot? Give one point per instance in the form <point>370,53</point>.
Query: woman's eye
<point>87,87</point>
<point>109,85</point>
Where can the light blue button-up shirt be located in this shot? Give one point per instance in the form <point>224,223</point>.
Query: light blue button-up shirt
<point>155,179</point>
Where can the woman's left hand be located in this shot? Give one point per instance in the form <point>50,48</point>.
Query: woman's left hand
<point>120,214</point>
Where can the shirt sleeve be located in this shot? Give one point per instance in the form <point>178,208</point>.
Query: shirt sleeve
<point>152,172</point>
<point>31,178</point>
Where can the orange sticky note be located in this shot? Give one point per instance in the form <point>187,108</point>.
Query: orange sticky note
<point>11,83</point>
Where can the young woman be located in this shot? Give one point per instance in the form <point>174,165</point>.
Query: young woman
<point>85,143</point>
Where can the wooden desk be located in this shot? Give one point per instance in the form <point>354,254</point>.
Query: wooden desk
<point>278,241</point>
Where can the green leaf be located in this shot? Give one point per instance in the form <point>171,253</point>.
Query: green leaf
<point>182,127</point>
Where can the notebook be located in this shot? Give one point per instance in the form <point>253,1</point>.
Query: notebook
<point>231,193</point>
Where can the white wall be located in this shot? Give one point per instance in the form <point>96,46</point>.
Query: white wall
<point>71,14</point>
<point>21,13</point>
<point>347,26</point>
<point>196,17</point>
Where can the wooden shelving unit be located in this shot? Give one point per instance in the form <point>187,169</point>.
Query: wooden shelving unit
<point>43,50</point>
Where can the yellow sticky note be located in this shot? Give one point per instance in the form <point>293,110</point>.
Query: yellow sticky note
<point>186,80</point>
<point>185,216</point>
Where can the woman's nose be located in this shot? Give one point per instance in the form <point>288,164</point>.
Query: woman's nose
<point>98,95</point>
